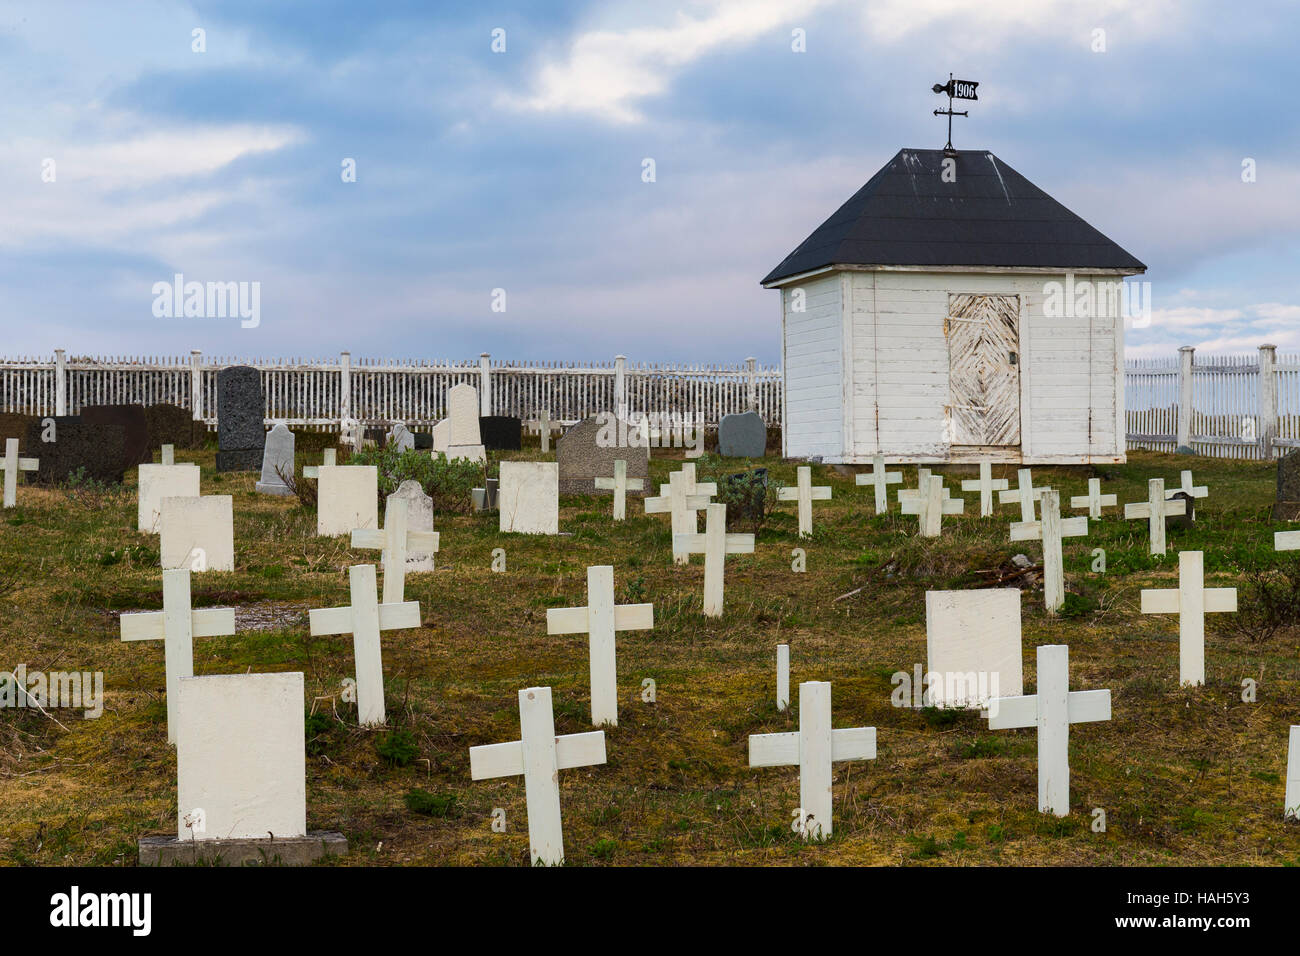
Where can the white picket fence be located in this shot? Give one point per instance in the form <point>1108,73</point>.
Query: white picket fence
<point>319,392</point>
<point>1239,406</point>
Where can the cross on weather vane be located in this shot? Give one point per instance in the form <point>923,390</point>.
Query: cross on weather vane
<point>962,90</point>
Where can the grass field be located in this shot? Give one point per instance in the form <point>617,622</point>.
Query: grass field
<point>1191,776</point>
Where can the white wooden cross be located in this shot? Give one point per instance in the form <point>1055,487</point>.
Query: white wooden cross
<point>1050,530</point>
<point>1191,601</point>
<point>1052,710</point>
<point>176,625</point>
<point>1189,487</point>
<point>922,487</point>
<point>881,479</point>
<point>1094,500</point>
<point>12,464</point>
<point>814,748</point>
<point>168,455</point>
<point>544,429</point>
<point>805,494</point>
<point>931,508</point>
<point>681,498</point>
<point>715,544</point>
<point>620,484</point>
<point>313,471</point>
<point>600,619</point>
<point>986,484</point>
<point>396,541</point>
<point>1156,509</point>
<point>1291,802</point>
<point>783,677</point>
<point>364,620</point>
<point>1024,493</point>
<point>539,756</point>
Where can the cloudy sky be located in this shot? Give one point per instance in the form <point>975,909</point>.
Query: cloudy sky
<point>130,156</point>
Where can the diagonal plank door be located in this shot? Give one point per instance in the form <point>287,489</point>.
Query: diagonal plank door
<point>983,369</point>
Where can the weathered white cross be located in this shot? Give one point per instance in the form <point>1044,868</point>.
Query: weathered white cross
<point>600,619</point>
<point>681,498</point>
<point>1024,493</point>
<point>539,756</point>
<point>715,544</point>
<point>1156,509</point>
<point>922,488</point>
<point>881,479</point>
<point>814,748</point>
<point>1052,710</point>
<point>397,541</point>
<point>931,508</point>
<point>364,620</point>
<point>1291,802</point>
<point>544,429</point>
<point>986,484</point>
<point>1189,487</point>
<point>1191,601</point>
<point>1050,530</point>
<point>783,677</point>
<point>805,494</point>
<point>168,455</point>
<point>621,484</point>
<point>1094,500</point>
<point>176,625</point>
<point>12,464</point>
<point>313,471</point>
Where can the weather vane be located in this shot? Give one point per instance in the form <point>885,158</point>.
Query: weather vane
<point>962,90</point>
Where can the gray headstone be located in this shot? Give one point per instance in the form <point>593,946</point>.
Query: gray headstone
<point>588,450</point>
<point>1184,450</point>
<point>485,499</point>
<point>277,459</point>
<point>1287,507</point>
<point>400,437</point>
<point>241,432</point>
<point>419,517</point>
<point>1187,521</point>
<point>742,436</point>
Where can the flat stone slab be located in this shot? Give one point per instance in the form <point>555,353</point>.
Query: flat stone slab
<point>588,450</point>
<point>286,851</point>
<point>501,432</point>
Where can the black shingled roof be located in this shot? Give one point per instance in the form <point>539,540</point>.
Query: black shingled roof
<point>906,215</point>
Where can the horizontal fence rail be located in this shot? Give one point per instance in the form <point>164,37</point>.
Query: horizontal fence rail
<point>322,392</point>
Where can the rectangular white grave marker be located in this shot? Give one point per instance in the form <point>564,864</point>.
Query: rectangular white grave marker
<point>364,620</point>
<point>12,464</point>
<point>197,533</point>
<point>1189,487</point>
<point>1156,509</point>
<point>1291,803</point>
<point>805,494</point>
<point>1286,540</point>
<point>681,498</point>
<point>931,508</point>
<point>1050,531</point>
<point>241,757</point>
<point>973,646</point>
<point>348,498</point>
<point>880,478</point>
<point>1094,500</point>
<point>396,541</point>
<point>620,484</point>
<point>814,748</point>
<point>715,544</point>
<point>1191,602</point>
<point>1051,710</point>
<point>1024,494</point>
<point>156,482</point>
<point>328,457</point>
<point>168,455</point>
<point>783,677</point>
<point>600,619</point>
<point>528,497</point>
<point>540,756</point>
<point>177,626</point>
<point>986,484</point>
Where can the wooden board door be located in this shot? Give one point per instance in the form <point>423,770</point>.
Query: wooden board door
<point>983,334</point>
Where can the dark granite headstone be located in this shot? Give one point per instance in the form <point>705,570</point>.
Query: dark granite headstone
<point>1183,522</point>
<point>173,425</point>
<point>97,451</point>
<point>241,431</point>
<point>501,432</point>
<point>742,436</point>
<point>588,450</point>
<point>375,433</point>
<point>135,425</point>
<point>423,441</point>
<point>1287,506</point>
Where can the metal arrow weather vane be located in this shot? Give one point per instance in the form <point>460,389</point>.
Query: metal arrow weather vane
<point>962,90</point>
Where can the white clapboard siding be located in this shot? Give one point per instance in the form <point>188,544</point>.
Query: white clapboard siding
<point>813,359</point>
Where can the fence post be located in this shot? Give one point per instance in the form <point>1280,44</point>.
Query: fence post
<point>1267,400</point>
<point>196,385</point>
<point>60,382</point>
<point>1186,356</point>
<point>345,385</point>
<point>620,386</point>
<point>485,384</point>
<point>751,385</point>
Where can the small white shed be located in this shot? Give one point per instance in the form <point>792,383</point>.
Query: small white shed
<point>952,310</point>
